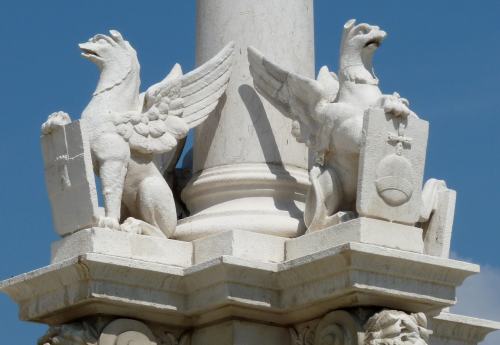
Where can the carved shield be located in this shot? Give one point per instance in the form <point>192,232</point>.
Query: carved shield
<point>391,167</point>
<point>70,179</point>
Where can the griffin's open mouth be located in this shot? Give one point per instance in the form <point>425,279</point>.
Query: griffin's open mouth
<point>374,42</point>
<point>88,52</point>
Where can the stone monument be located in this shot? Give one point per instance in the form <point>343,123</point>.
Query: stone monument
<point>351,249</point>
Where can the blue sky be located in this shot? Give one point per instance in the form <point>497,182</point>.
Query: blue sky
<point>443,56</point>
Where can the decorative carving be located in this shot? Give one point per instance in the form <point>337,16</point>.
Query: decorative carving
<point>302,336</point>
<point>125,129</point>
<point>392,327</point>
<point>103,331</point>
<point>369,147</point>
<point>338,328</point>
<point>127,332</point>
<point>328,114</point>
<point>391,166</point>
<point>85,332</point>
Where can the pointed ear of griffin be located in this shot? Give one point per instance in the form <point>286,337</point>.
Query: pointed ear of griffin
<point>296,97</point>
<point>176,104</point>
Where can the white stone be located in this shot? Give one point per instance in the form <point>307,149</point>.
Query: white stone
<point>249,175</point>
<point>242,244</point>
<point>438,222</point>
<point>127,331</point>
<point>397,327</point>
<point>227,287</point>
<point>451,329</point>
<point>362,230</point>
<point>123,244</point>
<point>68,175</point>
<point>328,116</point>
<point>391,167</point>
<point>126,129</point>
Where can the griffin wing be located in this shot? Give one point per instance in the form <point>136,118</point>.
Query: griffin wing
<point>176,104</point>
<point>295,96</point>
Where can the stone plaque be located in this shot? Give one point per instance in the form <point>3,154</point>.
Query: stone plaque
<point>391,167</point>
<point>70,178</point>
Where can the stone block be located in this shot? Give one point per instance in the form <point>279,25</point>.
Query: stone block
<point>242,244</point>
<point>70,179</point>
<point>437,232</point>
<point>362,230</point>
<point>123,244</point>
<point>391,167</point>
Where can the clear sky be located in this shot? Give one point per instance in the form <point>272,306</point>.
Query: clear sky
<point>442,55</point>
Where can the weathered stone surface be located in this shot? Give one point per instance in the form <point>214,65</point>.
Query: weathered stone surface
<point>296,290</point>
<point>391,167</point>
<point>396,327</point>
<point>123,244</point>
<point>451,329</point>
<point>108,330</point>
<point>438,229</point>
<point>362,230</point>
<point>241,244</point>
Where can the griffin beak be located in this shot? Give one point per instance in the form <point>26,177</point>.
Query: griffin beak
<point>89,53</point>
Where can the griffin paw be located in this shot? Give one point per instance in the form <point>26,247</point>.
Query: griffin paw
<point>108,222</point>
<point>55,120</point>
<point>394,104</point>
<point>137,226</point>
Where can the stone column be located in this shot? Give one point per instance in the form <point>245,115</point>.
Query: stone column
<point>249,172</point>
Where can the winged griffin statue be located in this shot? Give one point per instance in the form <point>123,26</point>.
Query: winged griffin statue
<point>327,116</point>
<point>127,129</point>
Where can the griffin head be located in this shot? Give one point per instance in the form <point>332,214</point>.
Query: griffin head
<point>359,43</point>
<point>113,55</point>
<point>105,50</point>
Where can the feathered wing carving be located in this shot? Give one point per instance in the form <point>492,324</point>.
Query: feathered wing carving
<point>176,104</point>
<point>296,97</point>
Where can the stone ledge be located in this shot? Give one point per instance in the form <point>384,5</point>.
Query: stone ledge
<point>362,230</point>
<point>461,330</point>
<point>123,244</point>
<point>349,275</point>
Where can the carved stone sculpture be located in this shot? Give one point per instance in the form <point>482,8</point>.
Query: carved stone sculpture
<point>391,167</point>
<point>338,327</point>
<point>105,331</point>
<point>392,327</point>
<point>84,332</point>
<point>125,129</point>
<point>328,116</point>
<point>125,332</point>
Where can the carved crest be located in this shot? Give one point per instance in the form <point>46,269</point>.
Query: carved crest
<point>391,166</point>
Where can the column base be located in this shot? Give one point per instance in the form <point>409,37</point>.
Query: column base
<point>262,198</point>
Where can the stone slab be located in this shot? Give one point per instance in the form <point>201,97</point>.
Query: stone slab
<point>437,238</point>
<point>70,179</point>
<point>459,330</point>
<point>362,230</point>
<point>294,291</point>
<point>242,244</point>
<point>391,167</point>
<point>123,244</point>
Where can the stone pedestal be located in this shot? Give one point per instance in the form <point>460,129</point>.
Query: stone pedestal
<point>250,173</point>
<point>236,287</point>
